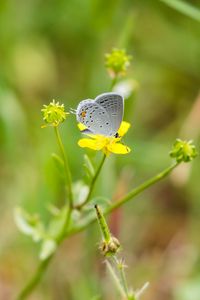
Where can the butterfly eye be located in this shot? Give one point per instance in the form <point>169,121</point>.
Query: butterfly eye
<point>83,114</point>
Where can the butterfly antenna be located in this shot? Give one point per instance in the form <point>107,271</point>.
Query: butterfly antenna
<point>72,111</point>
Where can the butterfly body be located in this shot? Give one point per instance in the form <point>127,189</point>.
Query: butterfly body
<point>103,115</point>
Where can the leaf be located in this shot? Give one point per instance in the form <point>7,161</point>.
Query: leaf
<point>88,214</point>
<point>184,8</point>
<point>80,192</point>
<point>88,166</point>
<point>103,202</point>
<point>48,247</point>
<point>57,222</point>
<point>30,225</point>
<point>55,211</point>
<point>58,163</point>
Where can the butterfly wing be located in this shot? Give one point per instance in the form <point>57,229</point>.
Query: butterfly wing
<point>113,103</point>
<point>94,117</point>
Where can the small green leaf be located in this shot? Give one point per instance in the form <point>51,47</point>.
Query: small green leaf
<point>88,166</point>
<point>30,225</point>
<point>58,163</point>
<point>48,247</point>
<point>88,213</point>
<point>57,222</point>
<point>185,8</point>
<point>102,201</point>
<point>55,211</point>
<point>80,192</point>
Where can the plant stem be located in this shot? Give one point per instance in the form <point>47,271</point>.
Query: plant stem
<point>44,264</point>
<point>115,279</point>
<point>141,188</point>
<point>114,81</point>
<point>136,191</point>
<point>122,277</point>
<point>62,233</point>
<point>35,279</point>
<point>92,184</point>
<point>66,166</point>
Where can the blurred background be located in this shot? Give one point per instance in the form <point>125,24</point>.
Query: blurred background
<point>55,50</point>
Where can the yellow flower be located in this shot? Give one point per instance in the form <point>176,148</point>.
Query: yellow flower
<point>106,144</point>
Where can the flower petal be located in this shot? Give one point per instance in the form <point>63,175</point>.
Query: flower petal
<point>92,144</point>
<point>118,148</point>
<point>124,127</point>
<point>81,126</point>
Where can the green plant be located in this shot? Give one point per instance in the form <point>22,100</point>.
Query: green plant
<point>65,221</point>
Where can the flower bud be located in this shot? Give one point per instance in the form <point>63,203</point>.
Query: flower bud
<point>110,247</point>
<point>183,151</point>
<point>54,113</point>
<point>117,62</point>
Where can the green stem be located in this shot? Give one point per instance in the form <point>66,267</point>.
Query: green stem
<point>114,81</point>
<point>35,279</point>
<point>120,267</point>
<point>66,166</point>
<point>115,279</point>
<point>130,195</point>
<point>45,263</point>
<point>141,188</point>
<point>63,231</point>
<point>92,184</point>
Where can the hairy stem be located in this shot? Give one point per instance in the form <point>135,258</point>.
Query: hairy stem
<point>122,277</point>
<point>66,166</point>
<point>115,279</point>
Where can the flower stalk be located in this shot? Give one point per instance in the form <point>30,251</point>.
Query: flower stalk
<point>92,184</point>
<point>66,166</point>
<point>25,292</point>
<point>109,247</point>
<point>129,196</point>
<point>44,264</point>
<point>142,187</point>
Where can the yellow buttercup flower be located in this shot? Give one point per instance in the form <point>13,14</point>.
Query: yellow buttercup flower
<point>106,144</point>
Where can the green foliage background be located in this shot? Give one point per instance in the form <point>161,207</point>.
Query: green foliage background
<point>55,49</point>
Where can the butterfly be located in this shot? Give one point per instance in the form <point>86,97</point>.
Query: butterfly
<point>103,115</point>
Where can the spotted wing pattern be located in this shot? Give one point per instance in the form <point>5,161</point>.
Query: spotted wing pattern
<point>113,103</point>
<point>94,117</point>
